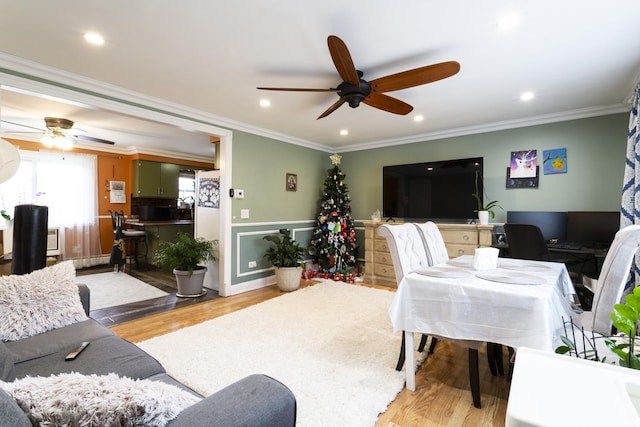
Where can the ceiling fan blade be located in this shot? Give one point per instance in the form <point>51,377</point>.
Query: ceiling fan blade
<point>415,77</point>
<point>298,89</point>
<point>342,60</point>
<point>387,103</point>
<point>331,109</point>
<point>93,139</point>
<point>24,126</point>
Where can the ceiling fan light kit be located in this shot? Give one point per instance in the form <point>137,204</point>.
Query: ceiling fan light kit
<point>355,90</point>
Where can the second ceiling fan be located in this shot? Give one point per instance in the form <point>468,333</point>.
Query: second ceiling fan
<point>354,89</point>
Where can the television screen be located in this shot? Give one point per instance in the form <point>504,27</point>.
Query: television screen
<point>439,190</point>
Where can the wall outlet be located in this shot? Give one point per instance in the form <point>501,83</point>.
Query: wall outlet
<point>239,194</point>
<point>253,264</point>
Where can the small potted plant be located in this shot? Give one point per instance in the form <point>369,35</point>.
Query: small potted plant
<point>183,256</point>
<point>285,255</point>
<point>484,211</point>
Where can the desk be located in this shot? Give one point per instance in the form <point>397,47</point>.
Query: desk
<point>473,309</point>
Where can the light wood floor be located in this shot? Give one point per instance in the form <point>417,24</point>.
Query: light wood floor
<point>442,396</point>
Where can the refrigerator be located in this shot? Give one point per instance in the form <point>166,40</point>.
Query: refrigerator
<point>207,218</point>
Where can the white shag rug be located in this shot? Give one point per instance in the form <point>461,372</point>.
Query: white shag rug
<point>331,343</point>
<point>117,288</point>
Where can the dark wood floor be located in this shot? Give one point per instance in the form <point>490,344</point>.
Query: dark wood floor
<point>162,280</point>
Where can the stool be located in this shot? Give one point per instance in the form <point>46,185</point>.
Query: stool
<point>129,239</point>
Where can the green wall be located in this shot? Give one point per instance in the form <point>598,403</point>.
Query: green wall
<point>596,149</point>
<point>259,168</point>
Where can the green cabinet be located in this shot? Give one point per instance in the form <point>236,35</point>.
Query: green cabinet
<point>155,179</point>
<point>162,233</point>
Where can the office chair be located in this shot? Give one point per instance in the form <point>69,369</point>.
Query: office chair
<point>526,242</point>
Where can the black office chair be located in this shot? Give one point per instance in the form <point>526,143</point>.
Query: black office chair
<point>526,242</point>
<point>126,241</point>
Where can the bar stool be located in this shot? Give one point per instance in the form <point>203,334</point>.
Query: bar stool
<point>130,237</point>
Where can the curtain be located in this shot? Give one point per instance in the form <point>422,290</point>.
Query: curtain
<point>630,211</point>
<point>67,184</point>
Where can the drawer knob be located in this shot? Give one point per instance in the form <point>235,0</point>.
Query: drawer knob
<point>460,251</point>
<point>465,237</point>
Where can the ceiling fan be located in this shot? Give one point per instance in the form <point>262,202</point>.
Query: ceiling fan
<point>354,89</point>
<point>59,131</point>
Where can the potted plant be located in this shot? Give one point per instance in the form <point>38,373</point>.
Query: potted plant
<point>183,256</point>
<point>285,255</point>
<point>484,211</point>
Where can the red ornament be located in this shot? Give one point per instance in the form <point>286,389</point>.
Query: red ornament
<point>338,277</point>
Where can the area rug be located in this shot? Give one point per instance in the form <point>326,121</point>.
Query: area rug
<point>117,288</point>
<point>331,343</point>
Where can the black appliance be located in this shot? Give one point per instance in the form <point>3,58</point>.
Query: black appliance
<point>156,213</point>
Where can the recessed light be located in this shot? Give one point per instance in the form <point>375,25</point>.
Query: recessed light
<point>265,103</point>
<point>344,132</point>
<point>418,118</point>
<point>508,21</point>
<point>527,96</point>
<point>94,38</point>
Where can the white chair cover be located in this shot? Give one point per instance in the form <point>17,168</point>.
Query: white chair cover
<point>612,280</point>
<point>406,248</point>
<point>433,242</point>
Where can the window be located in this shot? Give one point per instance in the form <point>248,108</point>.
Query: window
<point>186,188</point>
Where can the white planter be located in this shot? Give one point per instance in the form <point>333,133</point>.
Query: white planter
<point>288,278</point>
<point>483,216</point>
<point>190,286</point>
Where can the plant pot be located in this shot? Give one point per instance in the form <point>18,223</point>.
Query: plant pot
<point>288,278</point>
<point>483,216</point>
<point>190,286</point>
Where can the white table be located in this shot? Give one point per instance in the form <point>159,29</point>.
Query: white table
<point>451,301</point>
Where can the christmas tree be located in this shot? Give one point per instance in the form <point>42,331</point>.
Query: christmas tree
<point>333,244</point>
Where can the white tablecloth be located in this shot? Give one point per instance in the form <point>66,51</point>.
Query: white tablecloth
<point>450,300</point>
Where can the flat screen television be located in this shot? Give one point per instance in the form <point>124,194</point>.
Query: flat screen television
<point>440,190</point>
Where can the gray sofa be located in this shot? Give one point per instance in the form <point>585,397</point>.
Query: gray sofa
<point>257,400</point>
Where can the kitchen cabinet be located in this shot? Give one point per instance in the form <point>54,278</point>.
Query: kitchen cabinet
<point>165,233</point>
<point>155,179</point>
<point>460,239</point>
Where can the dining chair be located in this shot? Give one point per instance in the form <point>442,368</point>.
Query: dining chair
<point>408,254</point>
<point>612,280</point>
<point>437,254</point>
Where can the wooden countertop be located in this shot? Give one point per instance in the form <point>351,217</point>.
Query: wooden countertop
<point>140,223</point>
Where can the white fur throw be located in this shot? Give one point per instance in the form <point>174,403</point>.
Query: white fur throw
<point>92,400</point>
<point>40,301</point>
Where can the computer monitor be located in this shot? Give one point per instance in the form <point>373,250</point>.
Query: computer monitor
<point>593,228</point>
<point>552,224</point>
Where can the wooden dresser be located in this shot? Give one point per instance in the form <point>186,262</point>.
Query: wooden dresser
<point>460,239</point>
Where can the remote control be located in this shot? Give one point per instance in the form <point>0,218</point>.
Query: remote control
<point>77,351</point>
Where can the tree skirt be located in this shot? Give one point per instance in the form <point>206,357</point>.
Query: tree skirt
<point>331,343</point>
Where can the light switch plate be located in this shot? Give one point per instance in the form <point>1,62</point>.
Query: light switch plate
<point>244,213</point>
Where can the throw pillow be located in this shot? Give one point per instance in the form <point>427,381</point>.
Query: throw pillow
<point>98,400</point>
<point>38,302</point>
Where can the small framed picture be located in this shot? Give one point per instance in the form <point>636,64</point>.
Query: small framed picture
<point>292,182</point>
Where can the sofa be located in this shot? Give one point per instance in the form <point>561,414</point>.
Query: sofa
<point>257,400</point>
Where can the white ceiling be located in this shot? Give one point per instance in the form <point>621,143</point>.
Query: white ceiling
<point>580,58</point>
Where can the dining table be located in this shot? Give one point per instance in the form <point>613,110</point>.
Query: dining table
<point>517,303</point>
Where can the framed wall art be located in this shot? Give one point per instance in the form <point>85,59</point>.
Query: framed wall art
<point>529,182</point>
<point>554,161</point>
<point>292,182</point>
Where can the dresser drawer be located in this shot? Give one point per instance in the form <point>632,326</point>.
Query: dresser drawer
<point>460,237</point>
<point>384,270</point>
<point>380,245</point>
<point>457,250</point>
<point>383,258</point>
